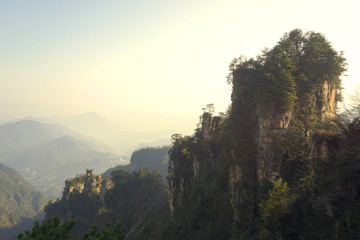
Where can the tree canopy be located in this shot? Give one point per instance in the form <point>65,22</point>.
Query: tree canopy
<point>292,71</point>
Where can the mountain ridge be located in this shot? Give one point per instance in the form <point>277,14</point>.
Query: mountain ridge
<point>46,154</point>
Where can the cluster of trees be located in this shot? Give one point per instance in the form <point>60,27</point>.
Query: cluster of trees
<point>55,230</point>
<point>291,75</point>
<point>138,200</point>
<point>130,194</point>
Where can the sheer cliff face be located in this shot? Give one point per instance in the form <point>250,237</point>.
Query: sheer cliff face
<point>268,168</point>
<point>253,159</point>
<point>328,95</point>
<point>176,186</point>
<point>251,149</point>
<point>267,121</point>
<point>180,172</point>
<point>187,156</point>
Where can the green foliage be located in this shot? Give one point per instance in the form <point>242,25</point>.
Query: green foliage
<point>206,211</point>
<point>137,199</point>
<point>150,158</point>
<point>278,83</point>
<point>276,205</point>
<point>81,198</point>
<point>49,230</point>
<point>292,73</point>
<point>18,198</point>
<point>295,149</point>
<point>53,229</point>
<point>210,108</point>
<point>107,233</point>
<point>184,150</point>
<point>119,176</point>
<point>329,208</point>
<point>200,184</point>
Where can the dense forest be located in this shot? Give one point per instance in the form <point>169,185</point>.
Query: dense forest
<point>279,164</point>
<point>134,194</point>
<point>138,200</point>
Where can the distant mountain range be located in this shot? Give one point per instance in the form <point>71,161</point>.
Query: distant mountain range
<point>123,141</point>
<point>47,154</point>
<point>91,123</point>
<point>25,134</point>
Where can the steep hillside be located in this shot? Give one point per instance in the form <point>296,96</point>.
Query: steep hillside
<point>18,200</point>
<point>151,158</point>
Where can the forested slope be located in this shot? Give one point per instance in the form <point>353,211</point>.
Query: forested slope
<point>138,200</point>
<point>19,201</point>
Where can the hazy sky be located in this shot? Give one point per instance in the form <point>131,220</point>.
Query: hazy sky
<point>142,61</point>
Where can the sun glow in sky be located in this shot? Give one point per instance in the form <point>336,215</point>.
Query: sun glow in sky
<point>149,64</point>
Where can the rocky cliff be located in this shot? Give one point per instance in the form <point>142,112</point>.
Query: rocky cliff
<point>190,154</point>
<point>268,121</point>
<point>82,192</point>
<point>270,131</point>
<point>267,162</point>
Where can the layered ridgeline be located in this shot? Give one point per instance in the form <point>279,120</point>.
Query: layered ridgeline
<point>257,172</point>
<point>19,203</point>
<point>46,154</point>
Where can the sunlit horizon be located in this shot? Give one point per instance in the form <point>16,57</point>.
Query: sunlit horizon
<point>149,65</point>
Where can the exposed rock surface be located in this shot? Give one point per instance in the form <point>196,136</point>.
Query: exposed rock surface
<point>278,103</point>
<point>266,167</point>
<point>180,173</point>
<point>87,187</point>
